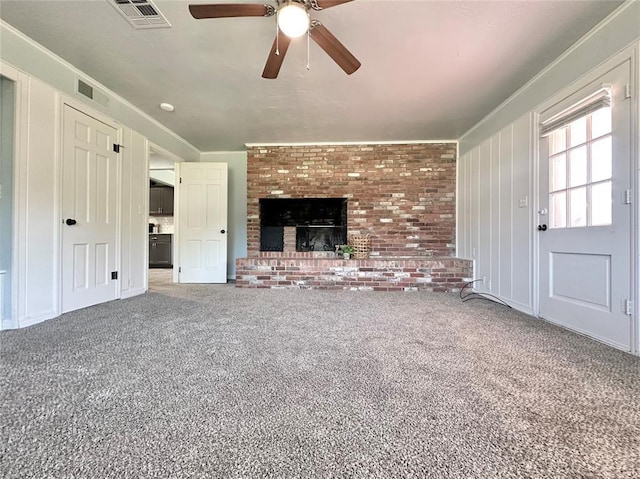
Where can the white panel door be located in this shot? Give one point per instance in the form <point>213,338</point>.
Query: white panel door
<point>89,211</point>
<point>202,222</point>
<point>585,250</point>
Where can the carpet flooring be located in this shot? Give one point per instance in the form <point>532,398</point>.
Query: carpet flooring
<point>214,381</point>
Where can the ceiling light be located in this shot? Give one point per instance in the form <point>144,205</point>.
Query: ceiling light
<point>166,107</point>
<point>293,20</point>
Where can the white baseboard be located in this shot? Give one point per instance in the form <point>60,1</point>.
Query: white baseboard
<point>30,321</point>
<point>132,292</point>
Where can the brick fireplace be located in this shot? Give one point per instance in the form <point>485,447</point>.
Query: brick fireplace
<point>402,195</point>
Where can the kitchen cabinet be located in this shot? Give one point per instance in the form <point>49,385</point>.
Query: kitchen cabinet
<point>160,251</point>
<point>161,201</point>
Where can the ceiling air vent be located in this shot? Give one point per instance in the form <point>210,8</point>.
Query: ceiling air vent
<point>141,13</point>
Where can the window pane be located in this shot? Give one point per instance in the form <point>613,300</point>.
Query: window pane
<point>578,207</point>
<point>578,166</point>
<point>558,213</point>
<point>601,159</point>
<point>578,132</point>
<point>601,204</point>
<point>559,172</point>
<point>558,141</point>
<point>601,122</point>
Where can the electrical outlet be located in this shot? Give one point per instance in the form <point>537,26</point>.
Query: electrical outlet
<point>523,202</point>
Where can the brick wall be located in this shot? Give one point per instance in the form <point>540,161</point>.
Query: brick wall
<point>402,194</point>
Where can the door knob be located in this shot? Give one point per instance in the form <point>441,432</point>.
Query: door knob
<point>222,231</point>
<point>70,222</point>
<point>542,227</point>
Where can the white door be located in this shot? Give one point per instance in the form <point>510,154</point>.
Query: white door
<point>202,222</point>
<point>89,211</point>
<point>585,250</point>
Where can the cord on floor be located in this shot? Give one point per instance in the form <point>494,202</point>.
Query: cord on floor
<point>486,296</point>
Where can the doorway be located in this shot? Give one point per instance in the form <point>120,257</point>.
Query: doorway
<point>162,180</point>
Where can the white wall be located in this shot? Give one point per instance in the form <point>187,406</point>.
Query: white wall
<point>237,213</point>
<point>497,159</point>
<point>42,81</point>
<point>495,213</point>
<point>36,202</point>
<point>37,211</point>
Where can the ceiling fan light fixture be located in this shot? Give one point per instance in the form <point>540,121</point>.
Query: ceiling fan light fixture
<point>293,20</point>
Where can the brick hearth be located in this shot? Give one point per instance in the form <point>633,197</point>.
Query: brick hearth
<point>420,274</point>
<point>402,195</point>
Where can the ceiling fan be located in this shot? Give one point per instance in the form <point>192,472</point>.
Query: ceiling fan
<point>293,20</point>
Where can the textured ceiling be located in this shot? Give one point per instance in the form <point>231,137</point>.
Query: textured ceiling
<point>430,69</point>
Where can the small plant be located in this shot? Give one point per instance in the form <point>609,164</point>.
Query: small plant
<point>347,249</point>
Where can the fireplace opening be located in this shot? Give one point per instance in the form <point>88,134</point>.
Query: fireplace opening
<point>319,224</point>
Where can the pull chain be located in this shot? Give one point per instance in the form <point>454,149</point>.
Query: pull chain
<point>308,50</point>
<point>277,36</point>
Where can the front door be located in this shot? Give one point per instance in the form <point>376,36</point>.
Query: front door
<point>585,217</point>
<point>202,222</point>
<point>89,211</point>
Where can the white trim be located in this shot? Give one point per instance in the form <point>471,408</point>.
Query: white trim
<point>618,11</point>
<point>13,75</point>
<point>352,143</point>
<point>164,152</point>
<point>132,292</point>
<point>534,161</point>
<point>31,320</point>
<point>2,275</point>
<point>174,243</point>
<point>87,110</point>
<point>80,74</point>
<point>8,71</point>
<point>20,192</point>
<point>635,183</point>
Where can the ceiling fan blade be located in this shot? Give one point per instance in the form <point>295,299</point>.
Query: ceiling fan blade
<point>324,4</point>
<point>231,10</point>
<point>274,62</point>
<point>336,50</point>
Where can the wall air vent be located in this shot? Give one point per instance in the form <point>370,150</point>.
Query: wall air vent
<point>92,93</point>
<point>141,13</point>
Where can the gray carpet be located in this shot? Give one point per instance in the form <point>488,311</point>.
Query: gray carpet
<point>213,381</point>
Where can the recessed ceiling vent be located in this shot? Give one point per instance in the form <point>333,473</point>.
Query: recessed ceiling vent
<point>141,13</point>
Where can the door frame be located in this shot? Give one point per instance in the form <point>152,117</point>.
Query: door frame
<point>15,272</point>
<point>630,54</point>
<point>174,250</point>
<point>101,117</point>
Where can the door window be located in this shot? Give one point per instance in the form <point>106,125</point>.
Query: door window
<point>580,166</point>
